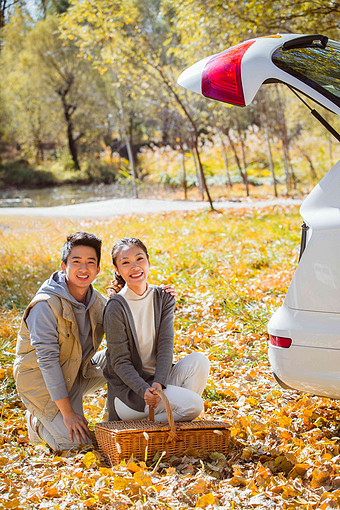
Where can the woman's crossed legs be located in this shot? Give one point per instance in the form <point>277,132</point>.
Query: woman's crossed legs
<point>187,380</point>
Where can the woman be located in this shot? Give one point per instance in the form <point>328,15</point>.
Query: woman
<point>139,329</point>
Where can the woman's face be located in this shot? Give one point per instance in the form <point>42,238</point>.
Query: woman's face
<point>133,266</point>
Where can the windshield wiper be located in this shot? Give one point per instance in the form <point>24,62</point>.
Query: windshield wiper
<point>306,41</point>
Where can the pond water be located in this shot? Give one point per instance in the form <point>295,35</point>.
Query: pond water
<point>63,195</point>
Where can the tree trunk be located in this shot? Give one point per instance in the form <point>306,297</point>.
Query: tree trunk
<point>39,151</point>
<point>133,155</point>
<point>44,8</point>
<point>245,173</point>
<point>2,13</point>
<point>289,171</point>
<point>286,168</point>
<point>225,161</point>
<point>126,137</point>
<point>69,110</point>
<point>197,171</point>
<point>238,163</point>
<point>314,175</point>
<point>292,173</point>
<point>184,173</point>
<point>167,82</point>
<point>4,5</point>
<point>264,114</point>
<point>200,166</point>
<point>165,125</point>
<point>72,144</point>
<point>270,156</point>
<point>330,149</point>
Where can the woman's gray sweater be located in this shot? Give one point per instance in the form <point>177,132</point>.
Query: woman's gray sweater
<point>124,372</point>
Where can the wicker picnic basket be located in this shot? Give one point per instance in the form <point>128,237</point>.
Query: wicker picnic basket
<point>142,439</point>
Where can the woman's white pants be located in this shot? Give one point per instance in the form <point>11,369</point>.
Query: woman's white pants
<point>187,381</point>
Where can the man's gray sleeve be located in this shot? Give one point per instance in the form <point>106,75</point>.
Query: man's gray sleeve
<point>42,325</point>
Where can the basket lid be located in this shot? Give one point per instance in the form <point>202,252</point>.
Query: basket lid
<point>146,425</point>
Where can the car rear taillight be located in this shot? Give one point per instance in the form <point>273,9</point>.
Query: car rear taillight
<point>280,341</point>
<point>221,78</point>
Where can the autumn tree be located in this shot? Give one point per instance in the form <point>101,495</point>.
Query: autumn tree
<point>260,18</point>
<point>135,37</point>
<point>263,103</point>
<point>50,92</point>
<point>26,101</point>
<point>224,23</point>
<point>6,6</point>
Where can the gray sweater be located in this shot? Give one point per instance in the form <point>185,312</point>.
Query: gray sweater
<point>43,328</point>
<point>124,372</point>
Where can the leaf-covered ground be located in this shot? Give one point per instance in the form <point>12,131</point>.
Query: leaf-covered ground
<point>231,271</point>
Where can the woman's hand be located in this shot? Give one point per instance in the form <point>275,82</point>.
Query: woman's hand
<point>168,288</point>
<point>150,399</point>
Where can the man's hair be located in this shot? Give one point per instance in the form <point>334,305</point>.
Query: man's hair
<point>81,239</point>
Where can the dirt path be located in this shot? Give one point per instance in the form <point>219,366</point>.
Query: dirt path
<point>130,206</point>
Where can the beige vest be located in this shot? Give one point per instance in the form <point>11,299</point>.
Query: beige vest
<point>27,374</point>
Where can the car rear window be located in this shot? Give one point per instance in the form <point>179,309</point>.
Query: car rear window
<point>316,66</point>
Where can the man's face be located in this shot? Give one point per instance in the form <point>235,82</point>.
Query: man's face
<point>81,268</point>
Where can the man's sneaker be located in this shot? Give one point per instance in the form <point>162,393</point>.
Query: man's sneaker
<point>32,428</point>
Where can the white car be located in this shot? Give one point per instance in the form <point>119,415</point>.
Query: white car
<point>304,333</point>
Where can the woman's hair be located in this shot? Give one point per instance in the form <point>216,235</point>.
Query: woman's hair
<point>118,282</point>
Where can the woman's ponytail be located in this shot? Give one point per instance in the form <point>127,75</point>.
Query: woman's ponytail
<point>116,284</point>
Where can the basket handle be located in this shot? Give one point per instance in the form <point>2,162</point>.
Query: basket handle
<point>164,399</point>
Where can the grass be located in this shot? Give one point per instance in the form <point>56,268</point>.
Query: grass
<point>231,271</point>
<point>215,261</point>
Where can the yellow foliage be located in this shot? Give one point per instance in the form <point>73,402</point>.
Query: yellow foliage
<point>90,459</point>
<point>158,487</point>
<point>205,500</point>
<point>120,483</point>
<point>142,478</point>
<point>133,467</point>
<point>283,444</point>
<point>90,502</point>
<point>51,492</point>
<point>198,487</point>
<point>106,471</point>
<point>299,470</point>
<point>320,476</point>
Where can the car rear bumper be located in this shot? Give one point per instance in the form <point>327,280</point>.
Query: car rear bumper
<point>312,363</point>
<point>315,371</point>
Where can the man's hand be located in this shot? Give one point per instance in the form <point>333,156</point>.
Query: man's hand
<point>75,423</point>
<point>150,399</point>
<point>168,288</point>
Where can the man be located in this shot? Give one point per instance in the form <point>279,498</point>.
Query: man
<point>56,360</point>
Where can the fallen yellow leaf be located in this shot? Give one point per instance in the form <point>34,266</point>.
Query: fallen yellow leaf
<point>89,459</point>
<point>89,502</point>
<point>133,467</point>
<point>106,471</point>
<point>205,500</point>
<point>51,492</point>
<point>198,488</point>
<point>143,479</point>
<point>120,483</point>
